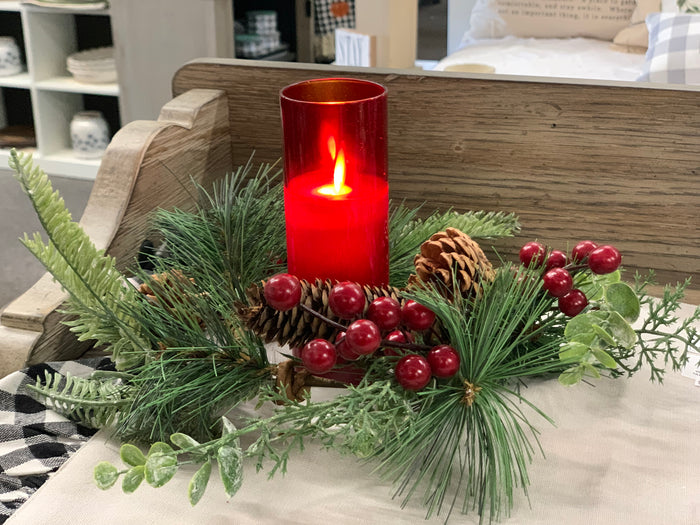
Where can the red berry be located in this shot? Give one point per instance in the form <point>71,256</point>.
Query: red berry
<point>604,259</point>
<point>282,291</point>
<point>385,312</point>
<point>397,336</point>
<point>342,348</point>
<point>346,299</point>
<point>582,249</point>
<point>573,303</point>
<point>363,337</point>
<point>532,254</point>
<point>557,282</point>
<point>555,259</point>
<point>413,372</point>
<point>444,361</point>
<point>318,356</point>
<point>416,316</point>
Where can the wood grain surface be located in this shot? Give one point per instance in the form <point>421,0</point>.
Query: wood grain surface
<point>617,163</point>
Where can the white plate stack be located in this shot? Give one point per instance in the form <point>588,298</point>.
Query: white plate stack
<point>93,66</point>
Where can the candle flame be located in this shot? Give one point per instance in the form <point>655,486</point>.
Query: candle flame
<point>338,187</point>
<point>339,172</point>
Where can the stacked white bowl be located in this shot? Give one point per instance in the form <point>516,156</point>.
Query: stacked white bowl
<point>93,66</point>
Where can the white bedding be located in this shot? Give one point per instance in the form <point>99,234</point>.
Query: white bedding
<point>581,58</point>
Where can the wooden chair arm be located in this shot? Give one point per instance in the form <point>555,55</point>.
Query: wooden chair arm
<point>148,165</point>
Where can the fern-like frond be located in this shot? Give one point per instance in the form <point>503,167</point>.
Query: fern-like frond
<point>407,232</point>
<point>94,403</point>
<point>100,296</point>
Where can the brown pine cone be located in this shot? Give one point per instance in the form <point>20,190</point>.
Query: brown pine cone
<point>296,327</point>
<point>451,254</point>
<point>169,289</point>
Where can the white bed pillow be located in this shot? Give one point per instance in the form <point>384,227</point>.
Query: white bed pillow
<point>674,49</point>
<point>602,19</point>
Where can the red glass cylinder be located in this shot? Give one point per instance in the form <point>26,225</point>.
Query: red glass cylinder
<point>336,193</point>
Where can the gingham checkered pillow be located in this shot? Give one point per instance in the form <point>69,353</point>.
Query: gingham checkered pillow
<point>674,49</point>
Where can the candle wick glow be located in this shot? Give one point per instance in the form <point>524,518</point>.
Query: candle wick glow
<point>338,187</point>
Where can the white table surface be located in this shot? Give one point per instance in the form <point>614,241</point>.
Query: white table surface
<point>624,451</point>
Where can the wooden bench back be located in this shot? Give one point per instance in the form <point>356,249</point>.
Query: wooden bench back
<point>613,163</point>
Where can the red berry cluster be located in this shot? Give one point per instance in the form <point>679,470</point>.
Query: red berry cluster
<point>557,278</point>
<point>386,324</point>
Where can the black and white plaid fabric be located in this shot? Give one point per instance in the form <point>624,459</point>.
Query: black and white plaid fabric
<point>330,14</point>
<point>35,441</point>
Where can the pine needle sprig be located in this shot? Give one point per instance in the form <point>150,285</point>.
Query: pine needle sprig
<point>186,391</point>
<point>407,231</point>
<point>92,402</point>
<point>99,293</point>
<point>237,234</point>
<point>471,440</point>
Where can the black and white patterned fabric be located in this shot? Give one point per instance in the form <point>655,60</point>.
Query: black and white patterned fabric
<point>35,441</point>
<point>330,14</point>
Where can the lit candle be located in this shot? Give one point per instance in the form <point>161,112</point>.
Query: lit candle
<point>336,192</point>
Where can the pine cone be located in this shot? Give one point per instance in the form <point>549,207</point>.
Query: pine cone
<point>169,288</point>
<point>296,327</point>
<point>453,253</point>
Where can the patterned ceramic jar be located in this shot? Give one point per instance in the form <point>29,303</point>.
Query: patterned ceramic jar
<point>89,134</point>
<point>10,58</point>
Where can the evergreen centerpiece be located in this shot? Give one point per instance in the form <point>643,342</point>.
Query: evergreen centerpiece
<point>431,363</point>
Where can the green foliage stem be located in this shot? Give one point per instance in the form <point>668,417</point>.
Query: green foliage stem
<point>99,294</point>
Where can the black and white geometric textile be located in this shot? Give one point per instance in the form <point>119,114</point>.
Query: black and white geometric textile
<point>330,14</point>
<point>35,441</point>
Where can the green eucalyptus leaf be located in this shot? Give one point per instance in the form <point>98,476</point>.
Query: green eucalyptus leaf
<point>132,455</point>
<point>230,468</point>
<point>133,478</point>
<point>573,350</point>
<point>603,334</point>
<point>105,475</point>
<point>159,447</point>
<point>621,331</point>
<point>183,440</point>
<point>595,288</point>
<point>585,338</point>
<point>198,483</point>
<point>622,298</point>
<point>605,359</point>
<point>590,369</point>
<point>571,376</point>
<point>160,468</point>
<point>577,327</point>
<point>580,328</point>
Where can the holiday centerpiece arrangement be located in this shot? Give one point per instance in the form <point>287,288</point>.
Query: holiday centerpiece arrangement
<point>427,340</point>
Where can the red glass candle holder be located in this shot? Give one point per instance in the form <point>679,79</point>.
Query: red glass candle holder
<point>336,194</point>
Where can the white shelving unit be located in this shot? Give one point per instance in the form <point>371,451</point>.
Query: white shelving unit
<point>50,36</point>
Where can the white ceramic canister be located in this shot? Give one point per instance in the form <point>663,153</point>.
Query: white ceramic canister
<point>10,58</point>
<point>89,134</point>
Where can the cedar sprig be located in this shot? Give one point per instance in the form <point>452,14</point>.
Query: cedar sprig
<point>662,338</point>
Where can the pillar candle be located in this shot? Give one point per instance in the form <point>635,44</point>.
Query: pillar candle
<point>335,180</point>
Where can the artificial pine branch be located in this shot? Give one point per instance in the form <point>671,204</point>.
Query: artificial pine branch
<point>235,237</point>
<point>99,294</point>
